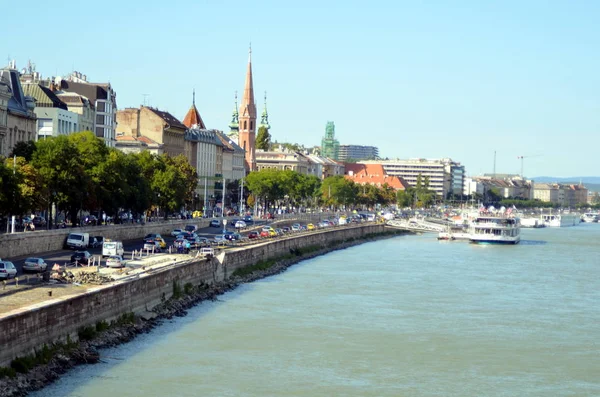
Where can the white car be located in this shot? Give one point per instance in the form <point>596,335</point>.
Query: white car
<point>240,225</point>
<point>34,265</point>
<point>7,270</point>
<point>115,261</point>
<point>176,232</point>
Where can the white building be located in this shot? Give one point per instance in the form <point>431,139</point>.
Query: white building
<point>445,176</point>
<point>204,151</point>
<point>104,99</point>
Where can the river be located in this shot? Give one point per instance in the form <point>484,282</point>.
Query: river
<point>406,316</point>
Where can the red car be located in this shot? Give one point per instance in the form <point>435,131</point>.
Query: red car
<point>253,235</point>
<point>264,233</point>
<point>268,215</point>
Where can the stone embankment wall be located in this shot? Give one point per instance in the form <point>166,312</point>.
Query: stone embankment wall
<point>54,320</point>
<point>28,243</point>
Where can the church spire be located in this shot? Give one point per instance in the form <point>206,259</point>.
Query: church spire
<point>248,107</point>
<point>247,119</point>
<point>264,119</point>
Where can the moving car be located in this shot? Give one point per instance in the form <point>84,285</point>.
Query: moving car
<point>34,265</point>
<point>7,270</point>
<point>232,236</point>
<point>81,258</point>
<point>191,228</point>
<point>78,240</point>
<point>248,219</point>
<point>112,248</point>
<point>151,244</point>
<point>240,224</point>
<point>115,261</point>
<point>215,223</point>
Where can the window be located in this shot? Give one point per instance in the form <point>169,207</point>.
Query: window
<point>101,106</point>
<point>245,125</point>
<point>251,125</point>
<point>100,132</point>
<point>99,119</point>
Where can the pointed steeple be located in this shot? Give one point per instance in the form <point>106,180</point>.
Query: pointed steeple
<point>234,126</point>
<point>247,119</point>
<point>264,119</point>
<point>248,107</point>
<point>192,118</point>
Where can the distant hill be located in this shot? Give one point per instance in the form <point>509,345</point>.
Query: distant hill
<point>591,182</point>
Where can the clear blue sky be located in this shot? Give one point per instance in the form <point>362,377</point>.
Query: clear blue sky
<point>433,79</point>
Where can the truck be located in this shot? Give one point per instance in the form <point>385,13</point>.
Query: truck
<point>78,240</point>
<point>112,248</point>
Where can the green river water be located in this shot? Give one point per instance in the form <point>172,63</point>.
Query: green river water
<point>407,316</point>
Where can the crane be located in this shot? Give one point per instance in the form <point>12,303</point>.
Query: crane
<point>525,157</point>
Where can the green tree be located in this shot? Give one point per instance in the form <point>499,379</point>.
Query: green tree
<point>23,149</point>
<point>9,191</point>
<point>263,139</point>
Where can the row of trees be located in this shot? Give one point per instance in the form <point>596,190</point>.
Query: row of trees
<point>291,189</point>
<point>79,171</point>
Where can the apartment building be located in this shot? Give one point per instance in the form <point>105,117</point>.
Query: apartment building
<point>445,175</point>
<point>357,152</point>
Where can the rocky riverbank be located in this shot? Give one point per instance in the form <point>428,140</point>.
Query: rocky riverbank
<point>88,351</point>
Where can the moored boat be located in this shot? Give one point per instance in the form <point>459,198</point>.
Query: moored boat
<point>495,229</point>
<point>560,220</point>
<point>590,217</point>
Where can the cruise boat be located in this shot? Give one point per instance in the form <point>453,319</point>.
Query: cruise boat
<point>532,223</point>
<point>495,229</point>
<point>590,217</point>
<point>560,220</point>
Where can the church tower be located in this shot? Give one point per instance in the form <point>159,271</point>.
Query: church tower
<point>234,126</point>
<point>264,119</point>
<point>247,119</point>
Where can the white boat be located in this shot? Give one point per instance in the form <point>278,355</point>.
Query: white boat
<point>495,229</point>
<point>532,222</point>
<point>560,220</point>
<point>590,217</point>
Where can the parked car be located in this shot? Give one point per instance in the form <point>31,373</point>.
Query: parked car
<point>81,258</point>
<point>207,251</point>
<point>310,226</point>
<point>176,232</point>
<point>96,241</point>
<point>182,245</point>
<point>233,221</point>
<point>215,223</point>
<point>219,239</point>
<point>151,236</point>
<point>253,235</point>
<point>286,229</point>
<point>34,265</point>
<point>264,233</point>
<point>150,243</point>
<point>115,261</point>
<point>296,227</point>
<point>233,236</point>
<point>248,219</point>
<point>240,224</point>
<point>7,270</point>
<point>191,228</point>
<point>268,215</point>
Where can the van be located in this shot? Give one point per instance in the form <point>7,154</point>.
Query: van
<point>78,240</point>
<point>112,248</point>
<point>207,251</point>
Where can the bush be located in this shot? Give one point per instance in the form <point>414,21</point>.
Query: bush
<point>101,326</point>
<point>87,333</point>
<point>177,293</point>
<point>188,288</point>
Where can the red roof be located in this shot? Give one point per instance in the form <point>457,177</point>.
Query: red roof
<point>373,174</point>
<point>192,118</point>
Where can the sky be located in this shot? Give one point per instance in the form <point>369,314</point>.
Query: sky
<point>467,80</point>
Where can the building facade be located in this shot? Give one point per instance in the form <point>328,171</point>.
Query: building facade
<point>507,187</point>
<point>561,194</point>
<point>18,122</point>
<point>233,158</point>
<point>79,104</point>
<point>282,161</point>
<point>247,120</point>
<point>104,99</point>
<point>159,126</point>
<point>445,176</point>
<point>330,147</point>
<point>373,174</point>
<point>358,152</point>
<point>323,167</point>
<point>53,116</point>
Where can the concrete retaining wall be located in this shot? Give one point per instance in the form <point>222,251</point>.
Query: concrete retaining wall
<point>52,321</point>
